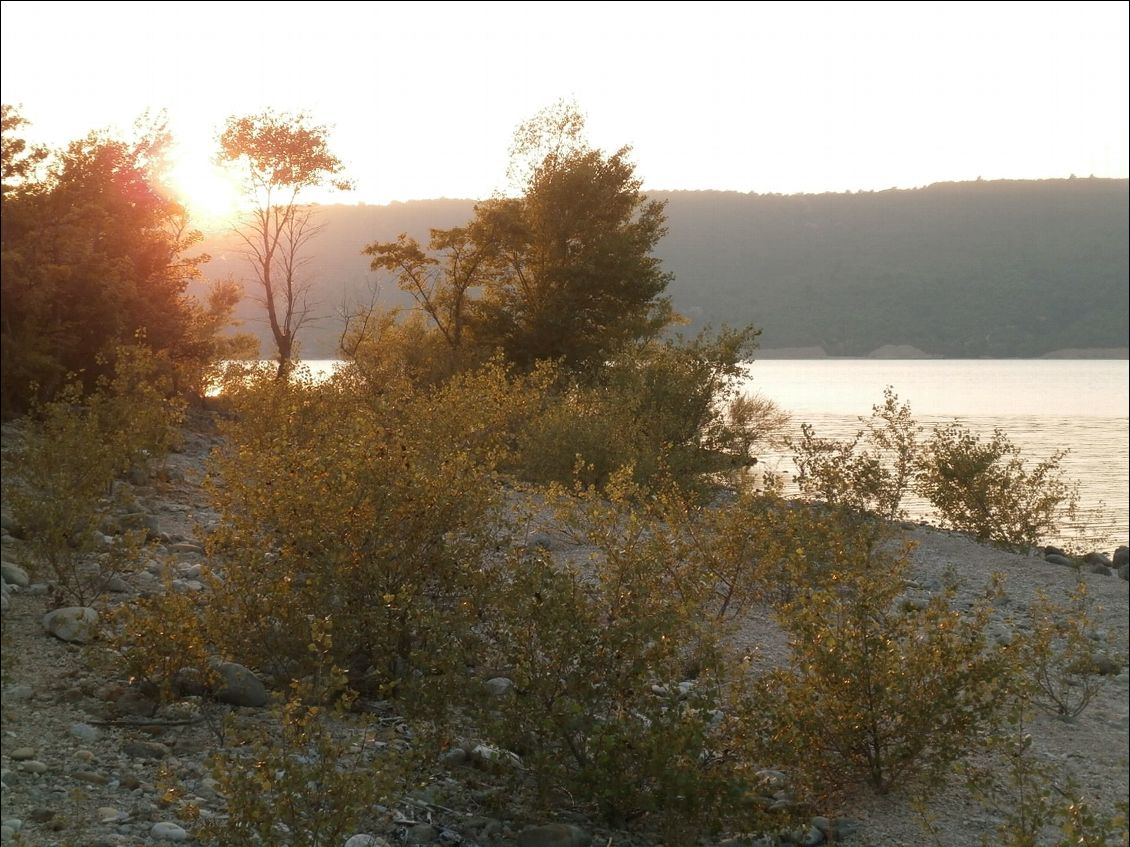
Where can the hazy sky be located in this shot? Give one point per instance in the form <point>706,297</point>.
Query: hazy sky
<point>768,97</point>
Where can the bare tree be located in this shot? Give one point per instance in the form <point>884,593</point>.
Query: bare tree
<point>281,156</point>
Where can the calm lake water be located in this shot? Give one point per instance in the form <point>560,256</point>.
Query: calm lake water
<point>1042,405</point>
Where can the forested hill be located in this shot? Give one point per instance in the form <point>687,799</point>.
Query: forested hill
<point>971,269</point>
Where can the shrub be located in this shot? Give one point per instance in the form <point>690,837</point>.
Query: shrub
<point>372,508</point>
<point>600,659</point>
<point>870,472</point>
<point>877,690</point>
<point>59,480</point>
<point>1059,655</point>
<point>1035,805</point>
<point>659,407</point>
<point>984,487</point>
<point>308,780</point>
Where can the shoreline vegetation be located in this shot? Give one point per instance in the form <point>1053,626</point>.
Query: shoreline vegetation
<point>164,757</point>
<point>501,580</point>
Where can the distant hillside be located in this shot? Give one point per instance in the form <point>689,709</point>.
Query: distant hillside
<point>972,269</point>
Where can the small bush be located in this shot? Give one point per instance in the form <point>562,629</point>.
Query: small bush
<point>984,487</point>
<point>659,407</point>
<point>877,690</point>
<point>1035,804</point>
<point>871,472</point>
<point>59,480</point>
<point>1059,655</point>
<point>374,509</point>
<point>600,659</point>
<point>308,780</point>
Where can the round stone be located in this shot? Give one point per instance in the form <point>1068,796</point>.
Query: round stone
<point>167,831</point>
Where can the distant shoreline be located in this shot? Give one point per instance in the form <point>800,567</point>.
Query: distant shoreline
<point>906,352</point>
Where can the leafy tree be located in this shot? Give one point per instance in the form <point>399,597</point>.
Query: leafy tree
<point>441,287</point>
<point>19,161</point>
<point>562,271</point>
<point>573,276</point>
<point>281,156</point>
<point>93,254</point>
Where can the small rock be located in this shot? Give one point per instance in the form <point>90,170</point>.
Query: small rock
<point>454,757</point>
<point>1100,569</point>
<point>90,777</point>
<point>22,754</point>
<point>1059,559</point>
<point>1121,557</point>
<point>135,701</point>
<point>145,749</point>
<point>129,781</point>
<point>192,571</point>
<point>240,686</point>
<point>186,547</point>
<point>10,524</point>
<point>84,732</point>
<point>189,682</point>
<point>364,840</point>
<point>74,624</point>
<point>18,693</point>
<point>13,574</point>
<point>116,585</point>
<point>1053,551</point>
<point>168,831</point>
<point>500,686</point>
<point>1094,558</point>
<point>33,766</point>
<point>108,814</point>
<point>1104,665</point>
<point>835,829</point>
<point>554,835</point>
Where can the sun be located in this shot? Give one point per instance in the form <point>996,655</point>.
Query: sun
<point>211,194</point>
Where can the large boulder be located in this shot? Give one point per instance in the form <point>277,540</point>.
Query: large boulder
<point>74,624</point>
<point>240,687</point>
<point>13,574</point>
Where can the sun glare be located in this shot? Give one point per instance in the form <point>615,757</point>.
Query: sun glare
<point>210,194</point>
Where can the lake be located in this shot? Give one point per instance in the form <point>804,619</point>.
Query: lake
<point>1042,405</point>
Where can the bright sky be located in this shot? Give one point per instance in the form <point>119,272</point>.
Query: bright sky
<point>768,97</point>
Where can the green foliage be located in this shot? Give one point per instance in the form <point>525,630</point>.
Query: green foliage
<point>59,481</point>
<point>877,689</point>
<point>1059,655</point>
<point>370,507</point>
<point>870,473</point>
<point>305,782</point>
<point>561,272</point>
<point>600,657</point>
<point>93,253</point>
<point>659,407</point>
<point>984,487</point>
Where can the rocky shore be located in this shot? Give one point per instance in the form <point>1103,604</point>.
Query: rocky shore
<point>89,758</point>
